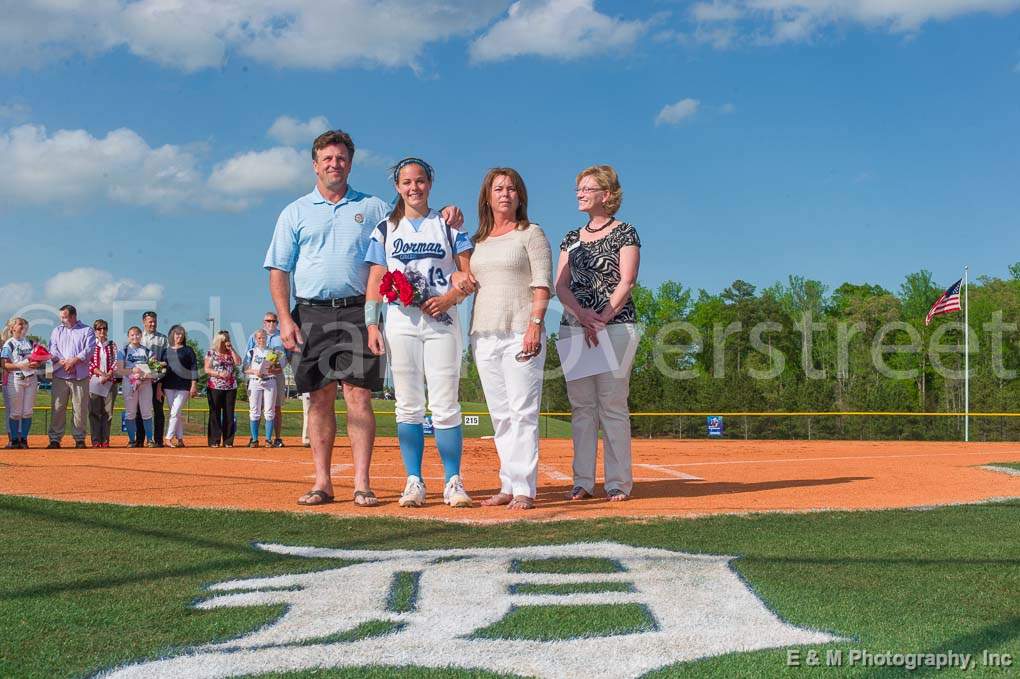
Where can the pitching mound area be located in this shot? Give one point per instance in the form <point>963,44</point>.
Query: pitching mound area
<point>673,478</point>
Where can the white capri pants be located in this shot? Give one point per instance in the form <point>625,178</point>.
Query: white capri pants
<point>600,402</point>
<point>513,394</point>
<point>178,400</point>
<point>20,393</point>
<point>424,352</point>
<point>138,397</point>
<point>261,398</point>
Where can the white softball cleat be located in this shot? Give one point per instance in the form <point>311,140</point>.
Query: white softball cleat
<point>414,493</point>
<point>454,493</point>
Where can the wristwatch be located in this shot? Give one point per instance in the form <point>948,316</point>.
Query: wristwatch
<point>536,320</point>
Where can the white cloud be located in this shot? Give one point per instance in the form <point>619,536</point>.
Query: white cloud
<point>276,169</point>
<point>199,34</point>
<point>563,29</point>
<point>121,166</point>
<point>293,132</point>
<point>92,290</point>
<point>678,112</point>
<point>782,21</point>
<point>14,296</point>
<point>715,11</point>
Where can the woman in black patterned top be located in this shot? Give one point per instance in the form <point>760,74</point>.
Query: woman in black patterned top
<point>597,269</point>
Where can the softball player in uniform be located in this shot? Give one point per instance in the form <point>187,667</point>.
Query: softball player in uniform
<point>261,390</point>
<point>138,391</point>
<point>424,343</point>
<point>22,382</point>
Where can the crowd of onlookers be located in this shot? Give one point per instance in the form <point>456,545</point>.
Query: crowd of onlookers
<point>153,372</point>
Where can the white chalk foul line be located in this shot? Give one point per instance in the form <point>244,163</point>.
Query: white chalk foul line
<point>553,473</point>
<point>669,472</point>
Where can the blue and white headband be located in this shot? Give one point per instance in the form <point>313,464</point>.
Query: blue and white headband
<point>411,161</point>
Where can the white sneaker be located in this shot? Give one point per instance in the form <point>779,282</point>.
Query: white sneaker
<point>454,493</point>
<point>414,493</point>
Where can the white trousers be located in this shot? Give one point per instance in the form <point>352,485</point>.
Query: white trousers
<point>424,352</point>
<point>600,401</point>
<point>513,395</point>
<point>21,396</point>
<point>178,400</point>
<point>138,397</point>
<point>262,399</point>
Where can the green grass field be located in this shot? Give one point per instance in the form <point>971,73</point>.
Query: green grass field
<point>549,427</point>
<point>87,587</point>
<point>1011,465</point>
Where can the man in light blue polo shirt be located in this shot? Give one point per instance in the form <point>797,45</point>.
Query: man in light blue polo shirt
<point>321,238</point>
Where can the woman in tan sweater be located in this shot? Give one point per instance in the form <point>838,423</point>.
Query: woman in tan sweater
<point>512,264</point>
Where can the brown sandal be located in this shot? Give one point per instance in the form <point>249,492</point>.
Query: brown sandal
<point>521,502</point>
<point>497,500</point>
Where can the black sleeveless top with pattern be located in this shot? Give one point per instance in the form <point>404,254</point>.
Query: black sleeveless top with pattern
<point>595,270</point>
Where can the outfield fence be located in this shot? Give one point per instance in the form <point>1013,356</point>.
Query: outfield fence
<point>859,425</point>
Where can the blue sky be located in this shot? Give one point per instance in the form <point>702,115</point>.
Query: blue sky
<point>146,150</point>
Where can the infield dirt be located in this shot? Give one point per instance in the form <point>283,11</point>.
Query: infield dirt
<point>672,478</point>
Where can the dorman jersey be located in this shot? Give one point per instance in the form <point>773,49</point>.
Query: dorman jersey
<point>427,246</point>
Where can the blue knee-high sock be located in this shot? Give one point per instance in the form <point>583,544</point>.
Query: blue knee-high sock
<point>132,430</point>
<point>147,424</point>
<point>412,446</point>
<point>451,444</point>
<point>11,430</point>
<point>253,426</point>
<point>269,429</point>
<point>26,426</point>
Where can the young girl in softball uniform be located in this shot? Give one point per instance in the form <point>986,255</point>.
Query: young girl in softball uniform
<point>423,342</point>
<point>261,389</point>
<point>137,385</point>
<point>22,382</point>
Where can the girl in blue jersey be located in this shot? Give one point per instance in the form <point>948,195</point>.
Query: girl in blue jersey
<point>132,365</point>
<point>423,342</point>
<point>22,382</point>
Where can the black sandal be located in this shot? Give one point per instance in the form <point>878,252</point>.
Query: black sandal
<point>578,493</point>
<point>365,498</point>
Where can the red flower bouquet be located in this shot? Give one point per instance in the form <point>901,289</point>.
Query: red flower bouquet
<point>395,285</point>
<point>411,289</point>
<point>39,354</point>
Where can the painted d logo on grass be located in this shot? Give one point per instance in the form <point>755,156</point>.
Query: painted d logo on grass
<point>620,612</point>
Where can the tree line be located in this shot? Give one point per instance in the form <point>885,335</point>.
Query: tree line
<point>796,346</point>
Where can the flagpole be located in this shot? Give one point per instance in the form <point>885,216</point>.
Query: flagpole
<point>966,358</point>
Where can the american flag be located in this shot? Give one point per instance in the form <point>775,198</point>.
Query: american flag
<point>949,301</point>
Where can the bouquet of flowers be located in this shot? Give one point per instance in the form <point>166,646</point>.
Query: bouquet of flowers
<point>272,360</point>
<point>39,354</point>
<point>156,369</point>
<point>411,289</point>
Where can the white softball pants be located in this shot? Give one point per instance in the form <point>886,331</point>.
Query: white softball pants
<point>138,397</point>
<point>424,353</point>
<point>513,394</point>
<point>262,399</point>
<point>21,396</point>
<point>178,400</point>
